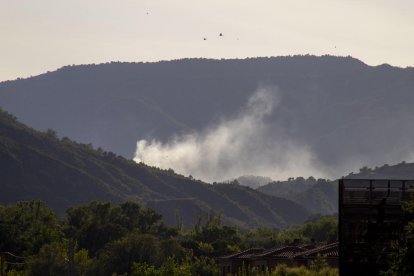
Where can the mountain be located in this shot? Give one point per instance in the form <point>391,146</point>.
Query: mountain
<point>321,196</point>
<point>317,195</point>
<point>344,112</point>
<point>253,181</point>
<point>402,170</point>
<point>63,173</point>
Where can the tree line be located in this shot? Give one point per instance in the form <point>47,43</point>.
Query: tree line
<point>101,238</point>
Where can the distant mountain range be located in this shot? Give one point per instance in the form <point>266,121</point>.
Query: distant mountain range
<point>345,113</point>
<point>253,181</point>
<point>321,195</point>
<point>39,165</point>
<point>317,195</point>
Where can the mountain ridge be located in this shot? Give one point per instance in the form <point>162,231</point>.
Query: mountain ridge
<point>116,104</point>
<point>39,165</point>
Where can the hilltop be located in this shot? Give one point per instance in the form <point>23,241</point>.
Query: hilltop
<point>343,111</point>
<point>63,173</point>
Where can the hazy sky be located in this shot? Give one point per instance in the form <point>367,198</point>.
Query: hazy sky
<point>41,35</point>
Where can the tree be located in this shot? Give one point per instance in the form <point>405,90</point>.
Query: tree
<point>401,259</point>
<point>26,226</point>
<point>97,223</point>
<point>323,230</point>
<point>60,258</point>
<point>93,225</point>
<point>51,260</point>
<point>118,256</point>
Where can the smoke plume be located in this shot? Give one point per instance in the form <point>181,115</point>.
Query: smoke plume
<point>242,145</point>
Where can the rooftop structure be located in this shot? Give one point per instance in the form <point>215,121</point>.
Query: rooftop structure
<point>265,260</point>
<point>370,220</point>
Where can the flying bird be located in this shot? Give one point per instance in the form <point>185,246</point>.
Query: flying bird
<point>221,34</point>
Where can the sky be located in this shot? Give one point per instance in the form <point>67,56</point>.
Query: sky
<point>43,35</point>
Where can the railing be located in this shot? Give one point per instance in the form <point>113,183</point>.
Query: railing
<point>375,192</point>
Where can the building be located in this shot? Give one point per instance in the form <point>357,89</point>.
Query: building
<point>234,262</point>
<point>266,260</point>
<point>371,219</point>
<point>269,259</point>
<point>329,252</point>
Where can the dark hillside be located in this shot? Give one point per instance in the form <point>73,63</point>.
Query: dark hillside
<point>402,170</point>
<point>38,165</point>
<point>318,196</point>
<point>338,107</point>
<point>321,196</point>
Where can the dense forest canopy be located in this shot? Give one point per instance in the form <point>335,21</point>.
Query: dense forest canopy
<point>101,238</point>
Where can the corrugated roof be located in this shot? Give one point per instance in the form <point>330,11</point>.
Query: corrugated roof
<point>329,250</point>
<point>243,254</point>
<point>291,251</point>
<point>281,252</point>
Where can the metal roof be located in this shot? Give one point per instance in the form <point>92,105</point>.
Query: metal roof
<point>329,250</point>
<point>243,254</point>
<point>281,252</point>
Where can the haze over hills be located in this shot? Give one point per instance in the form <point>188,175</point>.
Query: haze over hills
<point>317,195</point>
<point>326,115</point>
<point>63,173</point>
<point>321,195</point>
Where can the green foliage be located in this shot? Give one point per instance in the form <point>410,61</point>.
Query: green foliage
<point>96,224</point>
<point>83,264</point>
<point>93,225</point>
<point>318,264</point>
<point>205,266</point>
<point>51,260</point>
<point>118,256</point>
<point>26,226</point>
<point>126,239</point>
<point>169,268</point>
<point>325,229</point>
<point>401,259</point>
<point>322,229</point>
<point>213,238</point>
<point>198,266</point>
<point>283,270</point>
<point>60,258</point>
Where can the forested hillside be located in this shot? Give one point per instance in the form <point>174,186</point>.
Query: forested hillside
<point>344,112</point>
<point>402,170</point>
<point>317,195</point>
<point>39,165</point>
<point>321,196</point>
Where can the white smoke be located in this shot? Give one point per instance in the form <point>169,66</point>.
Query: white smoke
<point>234,147</point>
